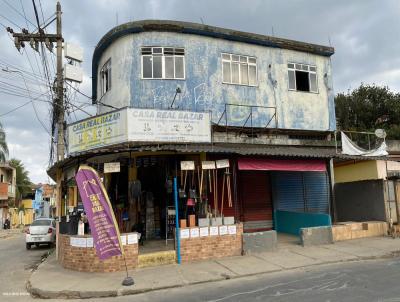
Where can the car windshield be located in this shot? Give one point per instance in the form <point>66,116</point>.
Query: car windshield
<point>41,222</point>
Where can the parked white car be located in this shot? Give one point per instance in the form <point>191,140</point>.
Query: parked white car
<point>41,231</point>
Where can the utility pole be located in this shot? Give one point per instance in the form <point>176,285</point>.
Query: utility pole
<point>60,89</point>
<point>34,40</point>
<point>41,37</point>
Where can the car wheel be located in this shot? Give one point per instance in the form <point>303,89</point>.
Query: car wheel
<point>28,246</point>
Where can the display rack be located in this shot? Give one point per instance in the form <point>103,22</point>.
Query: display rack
<point>170,224</point>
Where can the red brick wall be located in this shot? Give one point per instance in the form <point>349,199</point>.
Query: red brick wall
<point>86,260</point>
<point>212,247</point>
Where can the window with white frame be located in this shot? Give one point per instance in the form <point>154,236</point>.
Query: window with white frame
<point>163,63</point>
<point>302,77</point>
<point>240,70</point>
<point>105,77</point>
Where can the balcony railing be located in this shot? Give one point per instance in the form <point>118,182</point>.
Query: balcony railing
<point>248,118</point>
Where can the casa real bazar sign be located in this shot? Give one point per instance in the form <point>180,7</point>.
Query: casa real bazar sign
<point>102,130</point>
<point>143,125</point>
<point>151,125</point>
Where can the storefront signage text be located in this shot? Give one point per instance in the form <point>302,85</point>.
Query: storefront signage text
<point>112,167</point>
<point>99,212</point>
<point>139,125</point>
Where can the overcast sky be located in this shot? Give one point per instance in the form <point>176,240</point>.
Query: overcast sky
<point>364,33</point>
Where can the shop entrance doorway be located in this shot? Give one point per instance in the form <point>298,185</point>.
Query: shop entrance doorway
<point>256,200</point>
<point>155,176</point>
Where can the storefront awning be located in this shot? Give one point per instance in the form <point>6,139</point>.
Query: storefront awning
<point>281,164</point>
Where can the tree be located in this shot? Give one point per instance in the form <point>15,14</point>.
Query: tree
<point>367,108</point>
<point>3,145</point>
<point>23,183</point>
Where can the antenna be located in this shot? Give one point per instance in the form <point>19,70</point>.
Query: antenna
<point>272,31</point>
<point>116,18</point>
<point>202,21</point>
<point>329,39</point>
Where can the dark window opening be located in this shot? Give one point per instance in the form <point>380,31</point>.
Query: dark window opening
<point>302,81</point>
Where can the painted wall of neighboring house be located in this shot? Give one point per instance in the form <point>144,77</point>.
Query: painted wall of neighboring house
<point>203,90</point>
<point>8,174</point>
<point>27,203</point>
<point>362,170</point>
<point>391,166</point>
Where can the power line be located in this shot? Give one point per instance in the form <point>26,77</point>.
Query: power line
<point>17,11</point>
<point>15,109</point>
<point>23,11</point>
<point>11,21</point>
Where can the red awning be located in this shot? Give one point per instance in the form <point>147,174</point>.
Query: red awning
<point>281,164</point>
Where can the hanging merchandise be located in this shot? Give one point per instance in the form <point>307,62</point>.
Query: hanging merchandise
<point>135,188</point>
<point>226,182</point>
<point>210,166</point>
<point>185,167</point>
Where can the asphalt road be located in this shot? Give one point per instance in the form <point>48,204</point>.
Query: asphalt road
<point>374,280</point>
<point>16,264</point>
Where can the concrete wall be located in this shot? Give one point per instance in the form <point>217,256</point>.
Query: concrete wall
<point>259,242</point>
<point>360,201</point>
<point>316,236</point>
<point>203,90</point>
<point>292,222</point>
<point>362,170</point>
<point>347,231</point>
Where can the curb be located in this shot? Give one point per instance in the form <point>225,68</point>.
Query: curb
<point>71,294</point>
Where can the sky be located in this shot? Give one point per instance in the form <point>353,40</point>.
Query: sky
<point>364,33</point>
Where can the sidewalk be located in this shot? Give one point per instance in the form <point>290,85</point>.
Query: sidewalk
<point>9,232</point>
<point>50,280</point>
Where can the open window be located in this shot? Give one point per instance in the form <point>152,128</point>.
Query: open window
<point>105,77</point>
<point>302,77</point>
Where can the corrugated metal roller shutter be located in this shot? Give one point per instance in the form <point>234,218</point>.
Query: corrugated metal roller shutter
<point>255,194</point>
<point>301,191</point>
<point>316,187</point>
<point>288,191</point>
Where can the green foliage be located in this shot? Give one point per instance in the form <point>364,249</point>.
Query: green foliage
<point>3,145</point>
<point>367,108</point>
<point>23,183</point>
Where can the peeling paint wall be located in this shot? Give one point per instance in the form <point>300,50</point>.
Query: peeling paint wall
<point>203,90</point>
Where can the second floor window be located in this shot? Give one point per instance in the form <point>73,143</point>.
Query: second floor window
<point>240,70</point>
<point>105,77</point>
<point>302,77</point>
<point>163,63</point>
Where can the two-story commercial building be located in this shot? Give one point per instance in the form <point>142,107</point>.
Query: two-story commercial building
<point>243,120</point>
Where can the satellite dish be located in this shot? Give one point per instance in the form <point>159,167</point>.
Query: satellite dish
<point>381,133</point>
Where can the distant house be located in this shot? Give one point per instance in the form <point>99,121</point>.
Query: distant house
<point>7,189</point>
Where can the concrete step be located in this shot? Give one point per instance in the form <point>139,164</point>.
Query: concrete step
<point>157,258</point>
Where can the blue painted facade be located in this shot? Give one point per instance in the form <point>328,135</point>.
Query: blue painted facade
<point>203,90</point>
